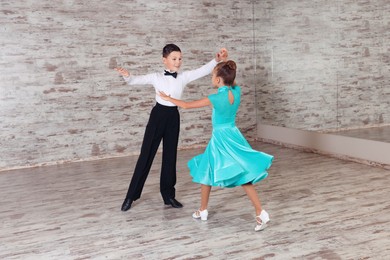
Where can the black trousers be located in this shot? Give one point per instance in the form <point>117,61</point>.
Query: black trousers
<point>163,124</point>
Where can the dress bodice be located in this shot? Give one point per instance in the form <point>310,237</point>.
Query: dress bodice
<point>224,113</point>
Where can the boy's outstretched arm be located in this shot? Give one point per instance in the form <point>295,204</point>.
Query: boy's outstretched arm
<point>123,72</point>
<point>183,104</point>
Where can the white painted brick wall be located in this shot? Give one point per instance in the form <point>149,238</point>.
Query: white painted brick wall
<point>61,100</point>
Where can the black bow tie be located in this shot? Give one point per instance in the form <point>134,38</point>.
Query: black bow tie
<point>173,74</point>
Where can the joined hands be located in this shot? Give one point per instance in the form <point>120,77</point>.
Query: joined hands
<point>222,55</point>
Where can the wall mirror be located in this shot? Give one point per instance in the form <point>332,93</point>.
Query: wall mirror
<point>324,69</point>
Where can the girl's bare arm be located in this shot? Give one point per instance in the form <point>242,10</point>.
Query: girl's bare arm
<point>184,104</point>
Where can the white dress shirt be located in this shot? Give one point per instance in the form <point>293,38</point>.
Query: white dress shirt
<point>170,85</point>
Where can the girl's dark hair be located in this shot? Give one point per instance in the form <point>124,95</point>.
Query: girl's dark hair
<point>169,48</point>
<point>227,71</point>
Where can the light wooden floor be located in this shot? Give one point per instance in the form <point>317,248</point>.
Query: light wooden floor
<point>320,208</point>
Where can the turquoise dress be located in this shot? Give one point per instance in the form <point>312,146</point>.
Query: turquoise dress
<point>228,160</point>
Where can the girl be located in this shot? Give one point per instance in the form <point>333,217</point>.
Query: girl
<point>228,160</point>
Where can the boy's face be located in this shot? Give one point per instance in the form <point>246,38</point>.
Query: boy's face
<point>173,61</point>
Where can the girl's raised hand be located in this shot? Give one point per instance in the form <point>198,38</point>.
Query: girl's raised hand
<point>123,71</point>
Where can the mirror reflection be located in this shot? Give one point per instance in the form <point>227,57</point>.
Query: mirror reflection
<point>381,134</point>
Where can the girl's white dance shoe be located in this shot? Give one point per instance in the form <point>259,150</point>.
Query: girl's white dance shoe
<point>202,214</point>
<point>262,220</point>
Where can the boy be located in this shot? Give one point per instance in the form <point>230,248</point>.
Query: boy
<point>164,123</point>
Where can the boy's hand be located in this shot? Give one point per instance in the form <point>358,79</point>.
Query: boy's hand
<point>123,71</point>
<point>222,55</point>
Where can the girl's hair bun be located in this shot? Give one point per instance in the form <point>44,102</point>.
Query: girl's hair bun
<point>231,64</point>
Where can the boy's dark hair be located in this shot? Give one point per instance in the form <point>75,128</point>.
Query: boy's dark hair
<point>169,48</point>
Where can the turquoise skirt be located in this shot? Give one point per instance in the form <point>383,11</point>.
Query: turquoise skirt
<point>229,161</point>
